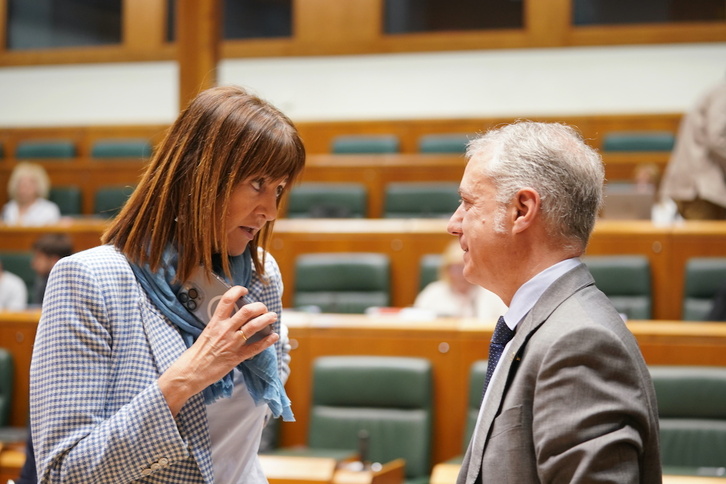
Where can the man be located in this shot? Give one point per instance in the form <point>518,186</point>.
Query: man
<point>696,174</point>
<point>47,250</point>
<point>570,400</point>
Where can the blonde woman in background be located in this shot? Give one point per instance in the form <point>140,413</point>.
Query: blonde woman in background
<point>453,296</point>
<point>28,189</point>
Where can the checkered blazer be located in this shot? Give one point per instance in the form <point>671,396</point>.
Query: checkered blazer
<point>97,414</point>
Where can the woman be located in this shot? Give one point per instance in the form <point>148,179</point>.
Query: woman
<point>453,296</point>
<point>28,188</point>
<point>126,384</point>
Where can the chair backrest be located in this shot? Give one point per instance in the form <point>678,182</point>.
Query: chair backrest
<point>328,200</point>
<point>68,199</point>
<point>477,374</point>
<point>342,282</point>
<point>703,278</point>
<point>626,281</point>
<point>421,199</point>
<point>6,386</point>
<point>429,269</point>
<point>638,141</point>
<point>443,143</point>
<point>365,144</point>
<point>131,149</point>
<point>45,149</point>
<point>389,397</point>
<point>19,263</point>
<point>692,410</point>
<point>108,201</point>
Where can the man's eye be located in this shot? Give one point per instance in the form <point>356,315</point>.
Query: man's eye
<point>257,184</point>
<point>280,190</point>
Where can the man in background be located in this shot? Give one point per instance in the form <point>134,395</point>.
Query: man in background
<point>47,250</point>
<point>695,177</point>
<point>570,400</point>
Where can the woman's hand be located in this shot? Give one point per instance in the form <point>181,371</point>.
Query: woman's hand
<point>219,349</point>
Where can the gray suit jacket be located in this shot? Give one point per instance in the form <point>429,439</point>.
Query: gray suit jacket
<point>573,401</point>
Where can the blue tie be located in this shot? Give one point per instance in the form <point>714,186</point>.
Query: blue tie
<point>500,338</point>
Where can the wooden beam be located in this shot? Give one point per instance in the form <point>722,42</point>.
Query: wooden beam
<point>198,35</point>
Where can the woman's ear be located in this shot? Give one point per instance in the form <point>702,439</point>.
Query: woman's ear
<point>527,205</point>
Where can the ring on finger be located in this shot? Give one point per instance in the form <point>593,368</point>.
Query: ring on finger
<point>242,333</point>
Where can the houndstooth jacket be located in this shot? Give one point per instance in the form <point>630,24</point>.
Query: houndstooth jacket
<point>97,413</point>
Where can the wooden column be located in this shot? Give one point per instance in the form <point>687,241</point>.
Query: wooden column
<point>198,35</point>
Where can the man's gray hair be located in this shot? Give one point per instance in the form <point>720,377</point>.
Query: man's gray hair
<point>554,160</point>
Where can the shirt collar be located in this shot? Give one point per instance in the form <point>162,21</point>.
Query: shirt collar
<point>529,293</point>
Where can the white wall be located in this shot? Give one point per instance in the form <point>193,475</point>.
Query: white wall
<point>520,82</point>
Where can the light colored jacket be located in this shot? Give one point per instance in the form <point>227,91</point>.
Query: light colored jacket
<point>697,167</point>
<point>97,413</point>
<point>573,401</point>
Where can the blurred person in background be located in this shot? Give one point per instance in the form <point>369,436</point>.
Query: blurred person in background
<point>28,188</point>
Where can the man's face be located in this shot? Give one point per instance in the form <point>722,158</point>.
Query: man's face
<point>474,222</point>
<point>42,263</point>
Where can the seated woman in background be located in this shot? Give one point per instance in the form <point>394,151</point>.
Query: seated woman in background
<point>28,188</point>
<point>452,295</point>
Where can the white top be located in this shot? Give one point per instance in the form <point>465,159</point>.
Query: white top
<point>13,292</point>
<point>439,298</point>
<point>41,212</point>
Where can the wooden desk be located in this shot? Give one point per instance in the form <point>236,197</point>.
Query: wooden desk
<point>316,470</point>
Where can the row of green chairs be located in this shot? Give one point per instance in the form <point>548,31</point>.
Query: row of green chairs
<point>350,200</point>
<point>107,201</point>
<point>102,149</point>
<point>351,282</point>
<point>455,143</point>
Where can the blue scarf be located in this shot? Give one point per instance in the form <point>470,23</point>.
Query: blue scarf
<point>260,372</point>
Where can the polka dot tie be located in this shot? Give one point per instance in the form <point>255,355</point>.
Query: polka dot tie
<point>500,338</point>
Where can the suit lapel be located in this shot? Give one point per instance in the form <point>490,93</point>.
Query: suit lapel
<point>558,292</point>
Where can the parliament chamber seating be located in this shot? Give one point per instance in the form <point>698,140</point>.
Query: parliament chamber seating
<point>45,149</point>
<point>421,199</point>
<point>109,200</point>
<point>626,281</point>
<point>365,144</point>
<point>342,282</point>
<point>19,263</point>
<point>388,398</point>
<point>114,148</point>
<point>327,200</point>
<point>68,198</point>
<point>444,143</point>
<point>703,277</point>
<point>6,386</point>
<point>429,269</point>
<point>692,411</point>
<point>633,141</point>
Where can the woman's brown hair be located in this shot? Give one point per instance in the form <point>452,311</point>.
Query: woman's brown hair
<point>224,136</point>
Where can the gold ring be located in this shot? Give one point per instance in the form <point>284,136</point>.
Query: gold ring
<point>242,332</point>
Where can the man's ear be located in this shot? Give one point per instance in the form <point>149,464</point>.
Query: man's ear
<point>526,204</point>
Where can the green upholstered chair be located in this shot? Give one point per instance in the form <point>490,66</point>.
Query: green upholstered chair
<point>109,200</point>
<point>390,397</point>
<point>6,386</point>
<point>428,269</point>
<point>342,282</point>
<point>365,144</point>
<point>18,262</point>
<point>703,277</point>
<point>443,143</point>
<point>45,149</point>
<point>114,149</point>
<point>420,199</point>
<point>626,281</point>
<point>692,410</point>
<point>638,141</point>
<point>68,199</point>
<point>328,200</point>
